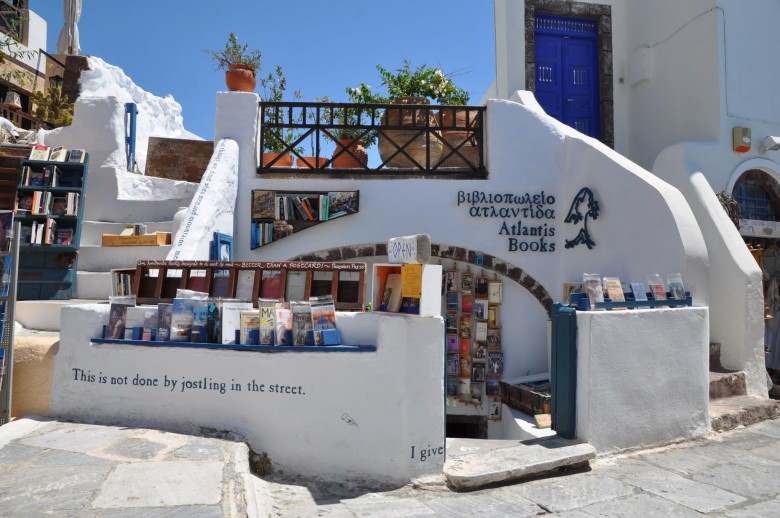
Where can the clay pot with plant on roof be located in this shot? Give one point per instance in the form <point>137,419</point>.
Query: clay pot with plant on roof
<point>239,63</point>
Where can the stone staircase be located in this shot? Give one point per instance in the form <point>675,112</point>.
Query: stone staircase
<point>730,406</point>
<point>93,278</point>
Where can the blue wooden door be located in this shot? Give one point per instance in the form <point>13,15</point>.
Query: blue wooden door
<point>567,79</point>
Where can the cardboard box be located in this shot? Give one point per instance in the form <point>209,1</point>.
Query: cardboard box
<point>158,239</point>
<point>532,397</point>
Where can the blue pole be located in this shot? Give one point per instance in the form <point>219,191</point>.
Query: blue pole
<point>131,112</point>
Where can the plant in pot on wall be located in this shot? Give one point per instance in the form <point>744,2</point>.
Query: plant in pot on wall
<point>351,140</point>
<point>239,63</point>
<point>278,142</point>
<point>314,160</point>
<point>409,86</point>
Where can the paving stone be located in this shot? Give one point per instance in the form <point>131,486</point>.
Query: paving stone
<point>135,448</point>
<point>16,453</point>
<point>32,491</point>
<point>183,511</point>
<point>770,508</point>
<point>770,428</point>
<point>78,437</point>
<point>696,495</point>
<point>641,504</point>
<point>162,484</point>
<point>569,492</point>
<point>60,458</point>
<point>683,461</point>
<point>376,506</point>
<point>199,449</point>
<point>758,483</point>
<point>483,504</point>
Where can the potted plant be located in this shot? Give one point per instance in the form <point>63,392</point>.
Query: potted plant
<point>239,63</point>
<point>351,141</point>
<point>277,141</point>
<point>313,161</point>
<point>411,87</point>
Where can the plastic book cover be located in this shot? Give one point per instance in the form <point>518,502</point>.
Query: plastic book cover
<point>134,322</point>
<point>452,387</point>
<point>231,320</point>
<point>453,364</point>
<point>639,291</point>
<point>181,320</point>
<point>493,386</point>
<point>150,323</point>
<point>267,321</point>
<point>283,319</point>
<point>323,316</point>
<point>676,287</point>
<point>614,289</point>
<point>164,314</point>
<point>214,321</point>
<point>200,320</point>
<point>249,322</point>
<point>656,285</point>
<point>452,343</point>
<point>591,283</point>
<point>495,363</point>
<point>116,320</point>
<point>301,322</point>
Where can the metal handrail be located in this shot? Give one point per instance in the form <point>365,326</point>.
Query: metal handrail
<point>402,128</point>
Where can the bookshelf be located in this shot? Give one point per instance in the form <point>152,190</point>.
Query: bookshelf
<point>55,208</point>
<point>278,214</point>
<point>10,260</point>
<point>156,281</point>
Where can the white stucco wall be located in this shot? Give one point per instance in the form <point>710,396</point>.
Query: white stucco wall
<point>355,415</point>
<point>642,377</point>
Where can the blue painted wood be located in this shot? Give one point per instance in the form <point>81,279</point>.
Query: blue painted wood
<point>563,377</point>
<point>257,348</point>
<point>567,71</point>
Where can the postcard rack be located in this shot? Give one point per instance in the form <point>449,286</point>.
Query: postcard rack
<point>156,281</point>
<point>584,303</point>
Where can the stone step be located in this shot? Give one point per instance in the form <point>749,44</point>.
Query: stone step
<point>473,463</point>
<point>93,285</point>
<point>92,231</point>
<point>731,412</point>
<point>104,258</point>
<point>727,384</point>
<point>44,315</point>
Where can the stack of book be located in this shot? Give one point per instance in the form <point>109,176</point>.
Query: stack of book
<point>57,154</point>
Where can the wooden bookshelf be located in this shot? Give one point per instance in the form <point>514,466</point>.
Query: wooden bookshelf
<point>156,281</point>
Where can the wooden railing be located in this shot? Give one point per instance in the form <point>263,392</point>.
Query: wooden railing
<point>417,139</point>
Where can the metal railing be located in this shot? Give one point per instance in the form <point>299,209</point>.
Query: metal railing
<point>12,20</point>
<point>417,139</point>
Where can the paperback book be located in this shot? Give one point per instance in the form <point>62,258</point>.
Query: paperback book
<point>323,316</point>
<point>266,322</point>
<point>301,322</point>
<point>591,282</point>
<point>283,320</point>
<point>676,288</point>
<point>231,320</point>
<point>164,315</point>
<point>249,327</point>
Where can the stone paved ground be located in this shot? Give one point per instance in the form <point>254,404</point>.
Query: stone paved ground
<point>734,474</point>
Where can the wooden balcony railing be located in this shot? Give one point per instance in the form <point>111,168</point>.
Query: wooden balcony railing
<point>414,139</point>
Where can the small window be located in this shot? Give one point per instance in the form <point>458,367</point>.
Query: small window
<point>754,201</point>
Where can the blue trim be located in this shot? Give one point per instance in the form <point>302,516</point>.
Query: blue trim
<point>565,26</point>
<point>257,348</point>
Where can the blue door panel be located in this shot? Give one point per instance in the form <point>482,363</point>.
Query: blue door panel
<point>549,81</point>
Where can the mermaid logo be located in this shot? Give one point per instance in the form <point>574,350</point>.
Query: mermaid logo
<point>575,216</point>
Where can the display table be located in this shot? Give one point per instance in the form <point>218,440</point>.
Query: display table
<point>360,411</point>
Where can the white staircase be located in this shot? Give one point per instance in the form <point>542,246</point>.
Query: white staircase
<point>93,281</point>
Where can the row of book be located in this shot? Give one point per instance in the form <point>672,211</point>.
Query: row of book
<point>57,154</point>
<point>225,321</point>
<point>42,203</point>
<point>595,286</point>
<point>270,205</point>
<point>46,233</point>
<point>48,176</point>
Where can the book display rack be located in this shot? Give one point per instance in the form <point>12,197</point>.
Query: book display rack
<point>50,206</point>
<point>475,360</point>
<point>278,214</point>
<point>157,281</point>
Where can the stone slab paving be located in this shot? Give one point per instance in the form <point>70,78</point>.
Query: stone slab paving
<point>48,467</point>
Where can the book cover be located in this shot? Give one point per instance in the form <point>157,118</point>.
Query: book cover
<point>495,363</point>
<point>494,412</point>
<point>410,305</point>
<point>59,205</point>
<point>493,319</point>
<point>296,285</point>
<point>452,300</point>
<point>200,320</point>
<point>481,309</point>
<point>5,280</point>
<point>465,346</point>
<point>477,388</point>
<point>451,322</point>
<point>591,282</point>
<point>58,154</point>
<point>676,287</point>
<point>466,282</point>
<point>324,207</point>
<point>263,204</point>
<point>480,351</point>
<point>214,321</point>
<point>450,281</point>
<point>614,289</point>
<point>231,320</point>
<point>480,331</point>
<point>495,292</point>
<point>453,364</point>
<point>452,387</point>
<point>342,203</point>
<point>493,338</point>
<point>164,314</point>
<point>467,302</point>
<point>492,386</point>
<point>245,282</point>
<point>301,322</point>
<point>77,156</point>
<point>478,371</point>
<point>465,325</point>
<point>656,286</point>
<point>481,287</point>
<point>249,327</point>
<point>283,319</point>
<point>639,291</point>
<point>40,152</point>
<point>323,316</point>
<point>24,202</point>
<point>116,320</point>
<point>150,323</point>
<point>64,236</point>
<point>452,343</point>
<point>464,389</point>
<point>266,322</point>
<point>391,298</point>
<point>181,320</point>
<point>134,322</point>
<point>465,367</point>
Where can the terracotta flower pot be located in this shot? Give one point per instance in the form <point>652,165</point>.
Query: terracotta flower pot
<point>416,143</point>
<point>285,160</point>
<point>471,140</point>
<point>240,78</point>
<point>346,160</point>
<point>312,162</point>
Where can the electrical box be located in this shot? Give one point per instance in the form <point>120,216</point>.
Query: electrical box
<point>741,139</point>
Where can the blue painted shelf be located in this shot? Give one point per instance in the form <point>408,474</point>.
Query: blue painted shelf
<point>257,348</point>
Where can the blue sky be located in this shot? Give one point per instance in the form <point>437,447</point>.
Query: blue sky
<point>323,45</point>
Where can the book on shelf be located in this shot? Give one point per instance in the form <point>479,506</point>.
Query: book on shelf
<point>149,332</point>
<point>656,286</point>
<point>493,386</point>
<point>40,152</point>
<point>342,203</point>
<point>481,309</point>
<point>324,207</point>
<point>65,237</point>
<point>303,215</point>
<point>263,204</point>
<point>249,327</point>
<point>480,331</point>
<point>266,322</point>
<point>464,345</point>
<point>181,320</point>
<point>495,292</point>
<point>134,322</point>
<point>465,366</point>
<point>638,289</point>
<point>58,154</point>
<point>493,338</point>
<point>478,371</point>
<point>480,351</point>
<point>452,343</point>
<point>72,204</point>
<point>24,202</point>
<point>614,290</point>
<point>591,283</point>
<point>5,281</point>
<point>481,287</point>
<point>231,320</point>
<point>59,205</point>
<point>467,302</point>
<point>391,296</point>
<point>51,176</point>
<point>164,316</point>
<point>283,321</point>
<point>301,322</point>
<point>323,316</point>
<point>495,363</point>
<point>464,388</point>
<point>200,320</point>
<point>676,287</point>
<point>117,316</point>
<point>452,386</point>
<point>77,156</point>
<point>214,321</point>
<point>35,179</point>
<point>477,388</point>
<point>50,232</point>
<point>465,325</point>
<point>271,284</point>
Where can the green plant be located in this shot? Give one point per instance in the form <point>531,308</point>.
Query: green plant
<point>236,54</point>
<point>52,107</point>
<point>277,140</point>
<point>423,81</point>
